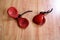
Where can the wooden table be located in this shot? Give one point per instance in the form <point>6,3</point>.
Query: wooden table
<point>9,29</point>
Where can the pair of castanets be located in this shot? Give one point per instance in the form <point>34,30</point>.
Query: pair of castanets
<point>23,22</point>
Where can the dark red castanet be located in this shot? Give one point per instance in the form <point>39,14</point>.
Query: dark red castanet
<point>39,19</point>
<point>12,12</point>
<point>23,22</point>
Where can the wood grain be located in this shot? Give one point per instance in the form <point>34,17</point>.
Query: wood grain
<point>9,29</point>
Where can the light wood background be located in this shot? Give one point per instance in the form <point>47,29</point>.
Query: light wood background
<point>9,29</point>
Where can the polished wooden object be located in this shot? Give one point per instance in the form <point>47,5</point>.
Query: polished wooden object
<point>9,29</point>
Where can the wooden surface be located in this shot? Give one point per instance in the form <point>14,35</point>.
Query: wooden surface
<point>9,29</point>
